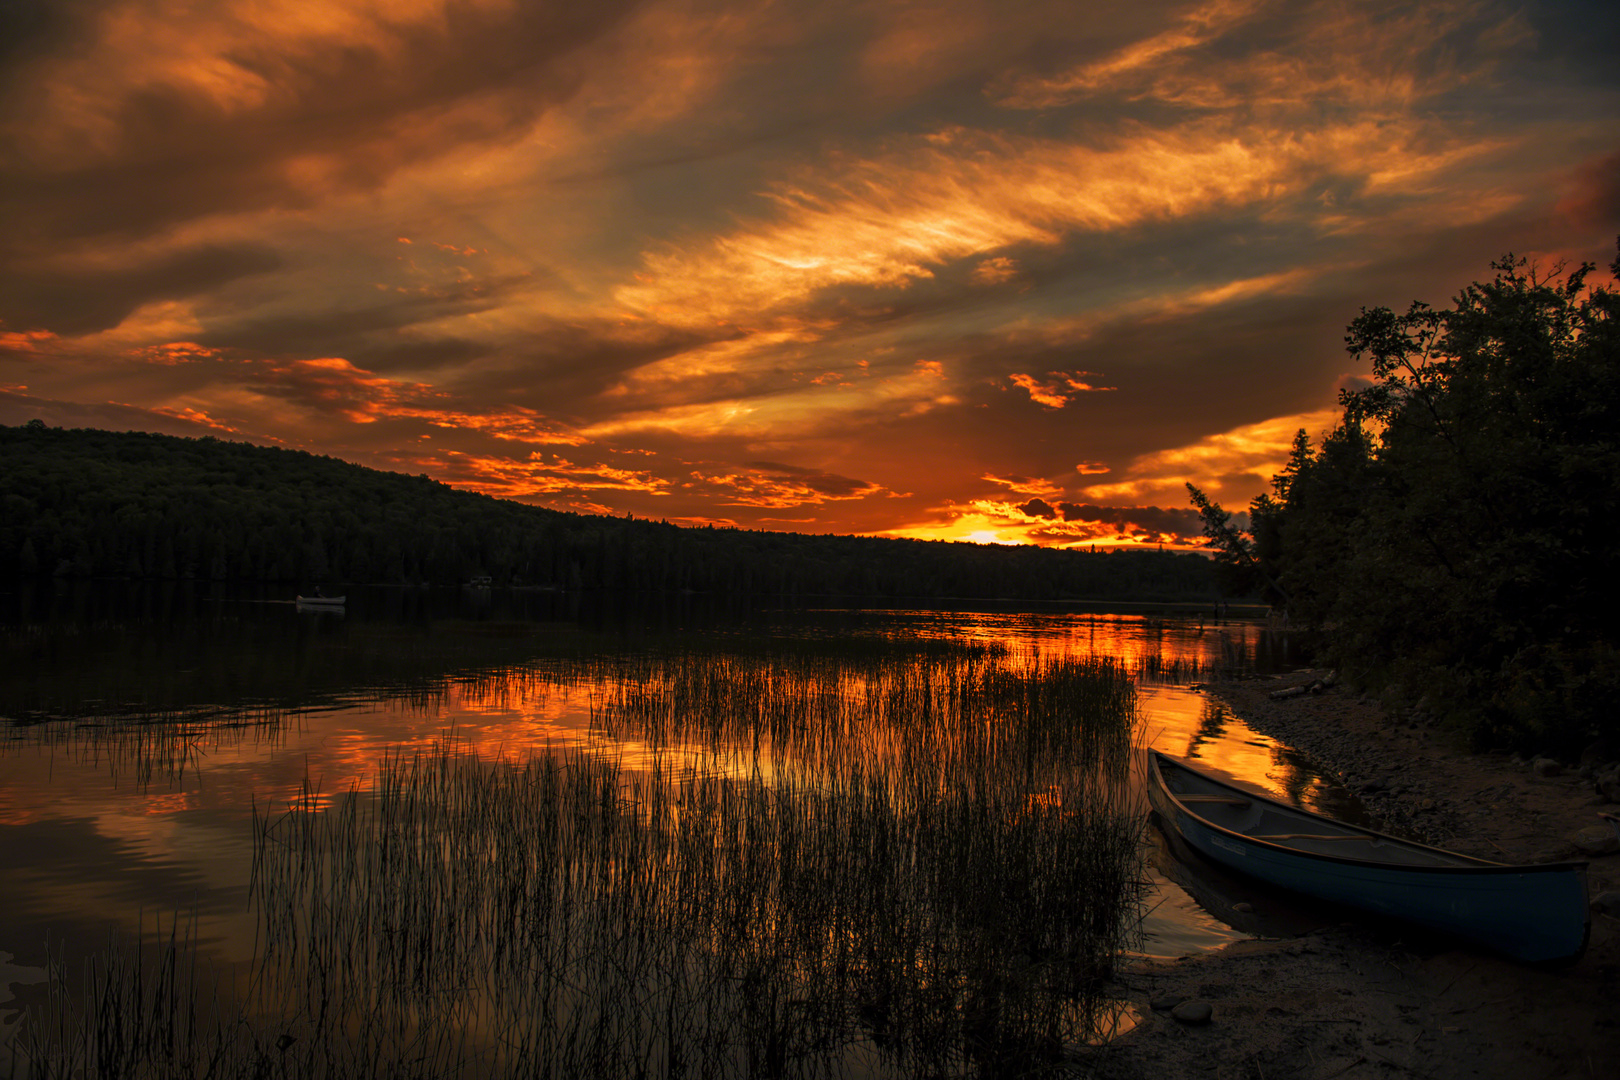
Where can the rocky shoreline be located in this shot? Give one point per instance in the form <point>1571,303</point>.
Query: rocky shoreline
<point>1357,1000</point>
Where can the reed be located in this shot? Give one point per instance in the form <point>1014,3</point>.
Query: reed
<point>146,748</point>
<point>790,864</point>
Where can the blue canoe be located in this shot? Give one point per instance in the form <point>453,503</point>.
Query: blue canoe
<point>1535,913</point>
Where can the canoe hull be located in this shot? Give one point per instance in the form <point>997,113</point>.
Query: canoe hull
<point>1535,914</point>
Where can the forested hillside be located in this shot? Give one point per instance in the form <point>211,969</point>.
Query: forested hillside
<point>86,503</point>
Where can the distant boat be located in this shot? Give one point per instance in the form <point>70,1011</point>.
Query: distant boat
<point>1535,913</point>
<point>321,601</point>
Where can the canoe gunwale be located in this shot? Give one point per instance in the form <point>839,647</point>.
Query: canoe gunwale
<point>1474,865</point>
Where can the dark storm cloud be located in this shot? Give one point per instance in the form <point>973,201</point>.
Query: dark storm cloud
<point>340,115</point>
<point>31,27</point>
<point>822,483</point>
<point>1168,524</point>
<point>569,366</point>
<point>340,331</point>
<point>438,354</point>
<point>1578,41</point>
<point>1153,519</point>
<point>1594,198</point>
<point>85,300</point>
<point>19,408</point>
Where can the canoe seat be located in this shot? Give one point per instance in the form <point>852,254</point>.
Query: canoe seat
<point>1229,800</point>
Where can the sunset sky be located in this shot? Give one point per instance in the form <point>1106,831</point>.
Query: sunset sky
<point>954,270</point>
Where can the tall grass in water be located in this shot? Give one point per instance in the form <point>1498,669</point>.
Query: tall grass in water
<point>902,868</point>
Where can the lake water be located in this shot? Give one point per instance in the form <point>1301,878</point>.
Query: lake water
<point>140,727</point>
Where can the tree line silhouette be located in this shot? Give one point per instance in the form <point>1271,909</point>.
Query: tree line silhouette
<point>1454,536</point>
<point>90,503</point>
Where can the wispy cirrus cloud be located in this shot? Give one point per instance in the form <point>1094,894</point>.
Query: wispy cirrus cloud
<point>1240,460</point>
<point>1132,63</point>
<point>1261,54</point>
<point>889,221</point>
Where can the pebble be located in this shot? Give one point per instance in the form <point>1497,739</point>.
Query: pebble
<point>1193,1012</point>
<point>1545,766</point>
<point>1597,840</point>
<point>1607,903</point>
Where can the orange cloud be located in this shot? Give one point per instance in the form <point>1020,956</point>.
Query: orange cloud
<point>513,423</point>
<point>509,479</point>
<point>1234,464</point>
<point>995,270</point>
<point>977,524</point>
<point>1023,485</point>
<point>176,352</point>
<point>362,397</point>
<point>24,341</point>
<point>194,416</point>
<point>1155,524</point>
<point>774,411</point>
<point>781,487</point>
<point>1063,525</point>
<point>1058,388</point>
<point>332,383</point>
<point>1367,57</point>
<point>1136,60</point>
<point>889,221</point>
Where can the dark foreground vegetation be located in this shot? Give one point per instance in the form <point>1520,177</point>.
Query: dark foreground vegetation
<point>1455,536</point>
<point>879,865</point>
<point>87,503</point>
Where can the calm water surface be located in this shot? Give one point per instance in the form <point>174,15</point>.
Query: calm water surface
<point>140,726</point>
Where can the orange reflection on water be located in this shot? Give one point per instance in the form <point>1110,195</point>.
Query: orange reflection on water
<point>1175,646</point>
<point>1190,725</point>
<point>182,818</point>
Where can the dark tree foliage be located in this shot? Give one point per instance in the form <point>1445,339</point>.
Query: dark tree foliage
<point>89,503</point>
<point>1455,535</point>
<point>1245,562</point>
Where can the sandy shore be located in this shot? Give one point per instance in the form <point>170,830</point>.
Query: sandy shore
<point>1355,1000</point>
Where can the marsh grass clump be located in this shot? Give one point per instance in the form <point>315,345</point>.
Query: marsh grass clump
<point>809,867</point>
<point>143,1010</point>
<point>147,747</point>
<point>984,709</point>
